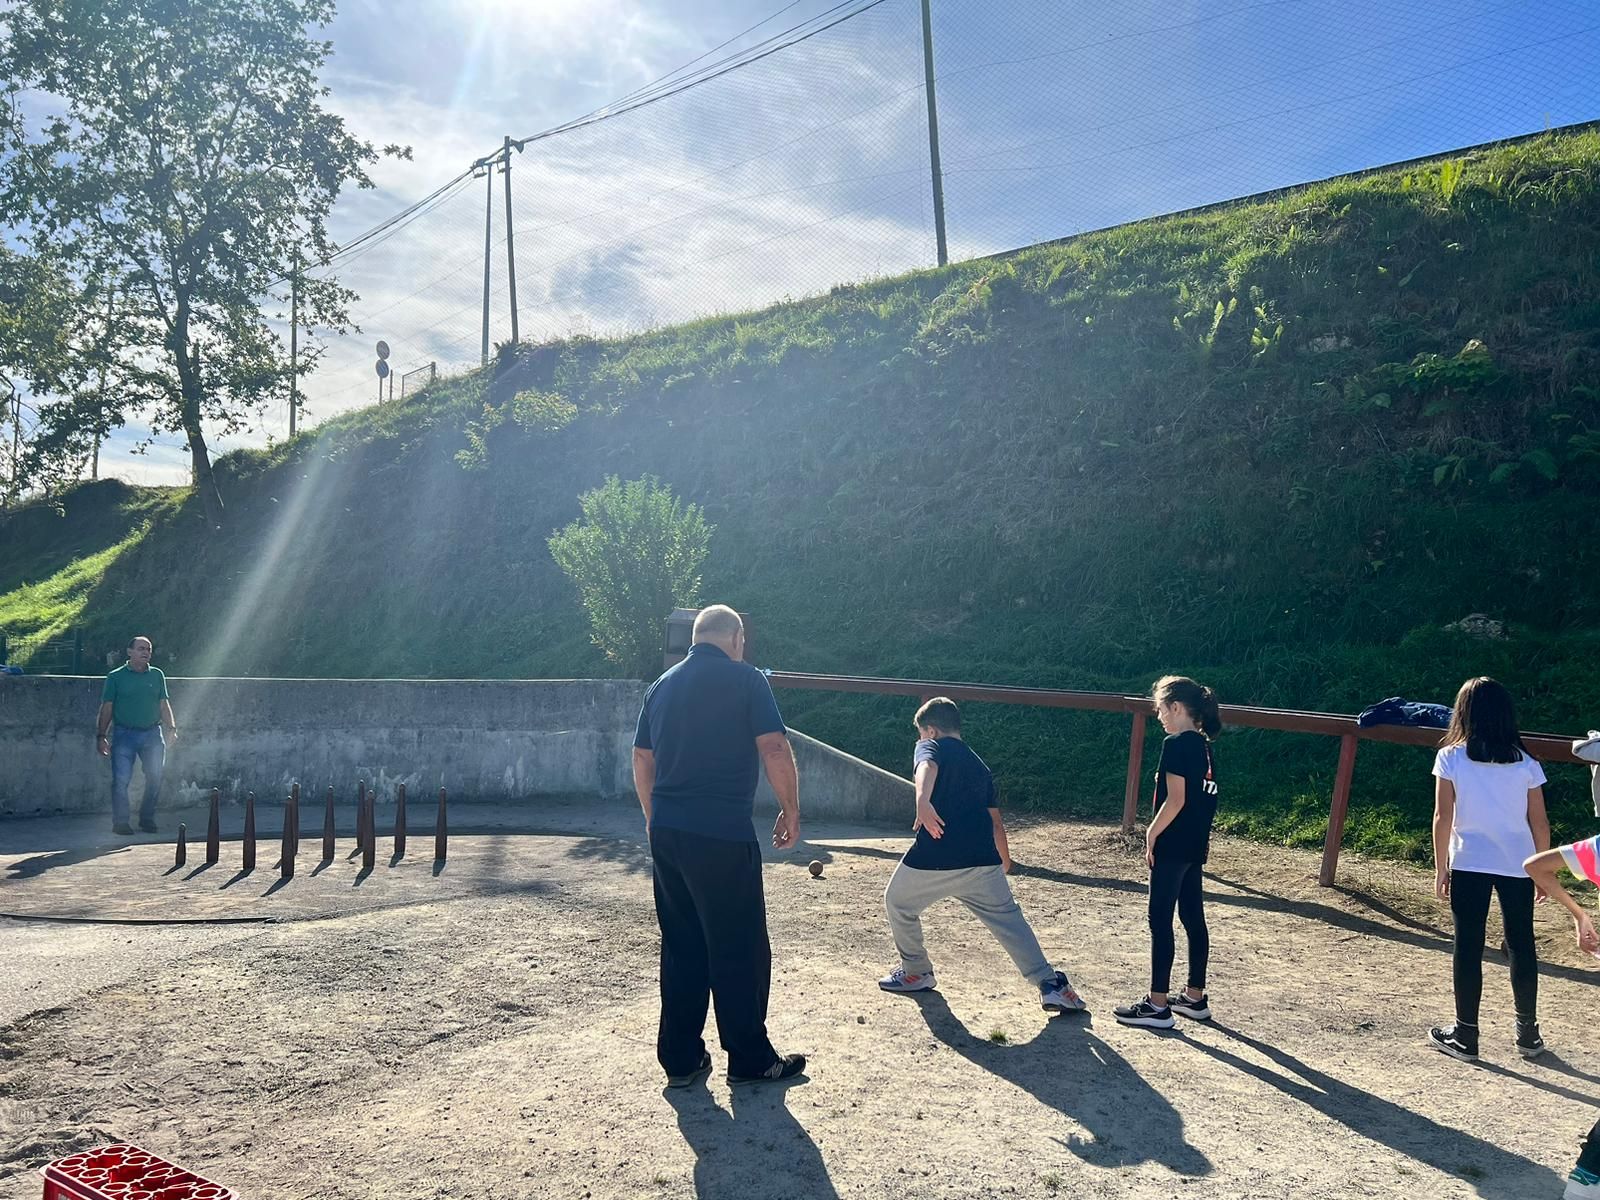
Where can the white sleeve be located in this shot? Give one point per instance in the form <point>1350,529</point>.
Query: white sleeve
<point>1443,763</point>
<point>1536,775</point>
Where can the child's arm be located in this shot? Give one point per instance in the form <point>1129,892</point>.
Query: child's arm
<point>1444,819</point>
<point>1000,842</point>
<point>1541,868</point>
<point>1176,794</point>
<point>927,818</point>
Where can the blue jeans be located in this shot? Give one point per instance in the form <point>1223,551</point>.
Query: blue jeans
<point>150,748</point>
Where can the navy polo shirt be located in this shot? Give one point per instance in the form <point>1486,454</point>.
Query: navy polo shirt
<point>701,719</point>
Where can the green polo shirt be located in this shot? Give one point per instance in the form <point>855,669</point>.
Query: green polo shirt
<point>135,696</point>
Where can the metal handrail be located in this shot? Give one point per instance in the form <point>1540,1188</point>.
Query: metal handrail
<point>1550,747</point>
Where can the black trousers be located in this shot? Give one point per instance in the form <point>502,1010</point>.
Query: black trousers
<point>713,916</point>
<point>1469,905</point>
<point>1177,885</point>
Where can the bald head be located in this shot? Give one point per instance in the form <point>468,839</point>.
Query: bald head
<point>721,626</point>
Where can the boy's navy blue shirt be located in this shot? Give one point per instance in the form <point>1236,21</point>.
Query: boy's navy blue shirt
<point>701,719</point>
<point>963,794</point>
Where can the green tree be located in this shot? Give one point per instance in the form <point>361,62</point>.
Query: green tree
<point>176,153</point>
<point>635,554</point>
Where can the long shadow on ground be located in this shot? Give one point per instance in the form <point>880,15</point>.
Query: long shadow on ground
<point>1496,1174</point>
<point>754,1148</point>
<point>1411,932</point>
<point>1071,1070</point>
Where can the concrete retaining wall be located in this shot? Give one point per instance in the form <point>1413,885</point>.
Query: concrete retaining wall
<point>481,739</point>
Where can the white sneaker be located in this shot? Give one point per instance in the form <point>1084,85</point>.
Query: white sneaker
<point>901,980</point>
<point>1582,1185</point>
<point>1056,994</point>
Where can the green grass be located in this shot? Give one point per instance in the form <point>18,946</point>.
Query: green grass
<point>1056,468</point>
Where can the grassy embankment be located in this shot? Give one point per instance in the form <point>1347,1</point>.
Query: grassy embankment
<point>1280,446</point>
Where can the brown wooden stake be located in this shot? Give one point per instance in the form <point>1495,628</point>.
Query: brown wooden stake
<point>183,845</point>
<point>249,831</point>
<point>214,828</point>
<point>400,821</point>
<point>287,847</point>
<point>1130,795</point>
<point>369,852</point>
<point>1338,809</point>
<point>441,831</point>
<point>361,817</point>
<point>327,827</point>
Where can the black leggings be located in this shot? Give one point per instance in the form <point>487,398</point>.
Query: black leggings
<point>1177,884</point>
<point>1469,905</point>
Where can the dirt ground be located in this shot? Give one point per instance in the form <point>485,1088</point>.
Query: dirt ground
<point>488,1031</point>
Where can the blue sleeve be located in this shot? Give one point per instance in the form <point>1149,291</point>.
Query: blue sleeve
<point>764,714</point>
<point>927,751</point>
<point>641,735</point>
<point>994,795</point>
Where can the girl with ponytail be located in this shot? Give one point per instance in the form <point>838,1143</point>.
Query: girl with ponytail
<point>1175,847</point>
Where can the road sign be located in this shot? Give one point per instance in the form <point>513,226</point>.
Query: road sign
<point>383,369</point>
<point>383,349</point>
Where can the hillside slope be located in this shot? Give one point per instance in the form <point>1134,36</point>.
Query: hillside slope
<point>1281,446</point>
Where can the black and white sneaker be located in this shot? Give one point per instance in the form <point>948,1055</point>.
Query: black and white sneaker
<point>694,1076</point>
<point>1458,1041</point>
<point>1529,1043</point>
<point>785,1067</point>
<point>1142,1012</point>
<point>1195,1010</point>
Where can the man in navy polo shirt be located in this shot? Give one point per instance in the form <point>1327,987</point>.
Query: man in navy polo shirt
<point>707,728</point>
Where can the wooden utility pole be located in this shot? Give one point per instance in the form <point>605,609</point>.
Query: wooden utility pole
<point>933,135</point>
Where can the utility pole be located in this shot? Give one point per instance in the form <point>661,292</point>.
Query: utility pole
<point>511,245</point>
<point>94,463</point>
<point>488,231</point>
<point>294,342</point>
<point>933,135</point>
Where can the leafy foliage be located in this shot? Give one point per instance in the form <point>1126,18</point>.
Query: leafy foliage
<point>177,158</point>
<point>635,554</point>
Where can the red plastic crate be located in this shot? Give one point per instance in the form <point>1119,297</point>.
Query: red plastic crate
<point>124,1172</point>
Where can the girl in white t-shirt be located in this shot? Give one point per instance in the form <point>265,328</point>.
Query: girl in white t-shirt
<point>1488,816</point>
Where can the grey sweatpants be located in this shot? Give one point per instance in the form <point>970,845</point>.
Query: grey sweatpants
<point>982,889</point>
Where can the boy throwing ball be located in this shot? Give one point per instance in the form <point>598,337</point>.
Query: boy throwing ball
<point>960,852</point>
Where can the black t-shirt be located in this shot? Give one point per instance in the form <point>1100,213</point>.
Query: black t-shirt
<point>701,719</point>
<point>963,794</point>
<point>1188,838</point>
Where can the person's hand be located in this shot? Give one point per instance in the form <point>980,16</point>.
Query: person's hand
<point>1149,850</point>
<point>929,820</point>
<point>1441,885</point>
<point>1005,863</point>
<point>103,744</point>
<point>1539,894</point>
<point>786,830</point>
<point>1588,939</point>
<point>172,734</point>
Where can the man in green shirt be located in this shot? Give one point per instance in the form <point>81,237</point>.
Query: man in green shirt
<point>133,709</point>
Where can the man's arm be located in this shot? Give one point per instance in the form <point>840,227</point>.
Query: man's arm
<point>168,721</point>
<point>644,778</point>
<point>777,760</point>
<point>102,729</point>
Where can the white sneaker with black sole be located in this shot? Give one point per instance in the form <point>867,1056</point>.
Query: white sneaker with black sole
<point>1144,1013</point>
<point>1195,1010</point>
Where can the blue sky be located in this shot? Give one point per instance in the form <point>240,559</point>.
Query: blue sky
<point>810,168</point>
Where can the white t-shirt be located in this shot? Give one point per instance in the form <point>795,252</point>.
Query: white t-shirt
<point>1491,833</point>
